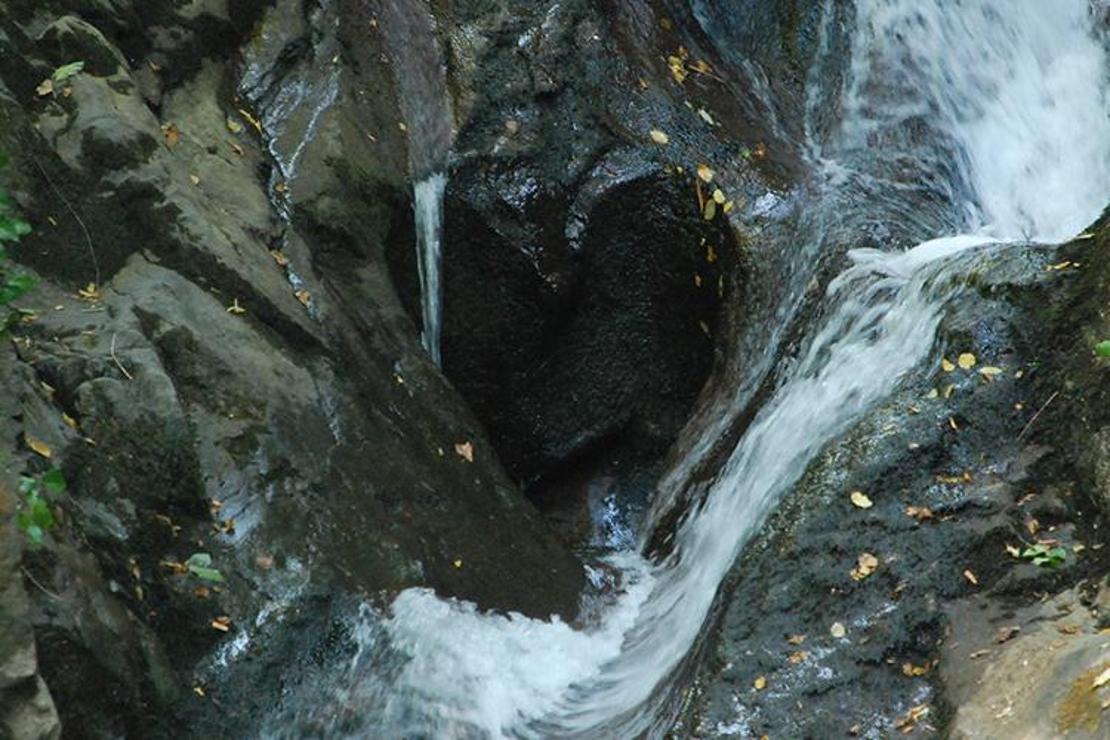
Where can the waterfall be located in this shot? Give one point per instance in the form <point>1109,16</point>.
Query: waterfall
<point>428,213</point>
<point>425,101</point>
<point>1015,106</point>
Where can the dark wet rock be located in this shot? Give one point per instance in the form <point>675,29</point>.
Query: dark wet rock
<point>964,458</point>
<point>575,254</point>
<point>625,276</point>
<point>1084,385</point>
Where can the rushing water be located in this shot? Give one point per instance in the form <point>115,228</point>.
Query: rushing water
<point>428,212</point>
<point>992,115</point>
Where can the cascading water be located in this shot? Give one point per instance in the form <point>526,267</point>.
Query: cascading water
<point>428,212</point>
<point>1014,105</point>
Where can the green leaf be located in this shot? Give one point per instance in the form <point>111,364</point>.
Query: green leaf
<point>3,160</point>
<point>41,513</point>
<point>34,533</point>
<point>9,229</point>
<point>1102,349</point>
<point>54,482</point>
<point>28,484</point>
<point>199,564</point>
<point>208,574</point>
<point>64,72</point>
<point>199,560</point>
<point>16,288</point>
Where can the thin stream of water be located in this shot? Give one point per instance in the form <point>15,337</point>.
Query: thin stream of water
<point>428,213</point>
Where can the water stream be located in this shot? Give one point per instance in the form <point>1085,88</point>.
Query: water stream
<point>982,125</point>
<point>425,101</point>
<point>428,214</point>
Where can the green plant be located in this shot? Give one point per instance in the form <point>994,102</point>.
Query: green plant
<point>64,72</point>
<point>36,518</point>
<point>1102,349</point>
<point>200,565</point>
<point>1043,556</point>
<point>12,229</point>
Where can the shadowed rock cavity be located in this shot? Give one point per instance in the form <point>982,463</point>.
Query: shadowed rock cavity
<point>579,325</point>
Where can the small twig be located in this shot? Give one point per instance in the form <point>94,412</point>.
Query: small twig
<point>81,223</point>
<point>115,359</point>
<point>41,587</point>
<point>1037,415</point>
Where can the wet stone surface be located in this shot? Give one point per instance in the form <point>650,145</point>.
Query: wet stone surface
<point>804,649</point>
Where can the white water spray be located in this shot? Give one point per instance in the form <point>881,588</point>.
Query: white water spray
<point>428,213</point>
<point>1018,97</point>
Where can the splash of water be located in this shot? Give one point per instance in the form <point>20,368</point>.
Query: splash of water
<point>428,212</point>
<point>1015,104</point>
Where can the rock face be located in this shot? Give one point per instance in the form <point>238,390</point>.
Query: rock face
<point>1034,673</point>
<point>955,475</point>
<point>220,362</point>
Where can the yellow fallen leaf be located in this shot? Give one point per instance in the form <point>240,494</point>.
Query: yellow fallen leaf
<point>710,211</point>
<point>173,135</point>
<point>1102,679</point>
<point>69,420</point>
<point>705,173</point>
<point>837,630</point>
<point>990,372</point>
<point>866,564</point>
<point>971,578</point>
<point>966,361</point>
<point>796,639</point>
<point>659,137</point>
<point>860,500</point>
<point>223,624</point>
<point>89,293</point>
<point>946,365</point>
<point>920,513</point>
<point>465,450</point>
<point>797,657</point>
<point>38,446</point>
<point>234,126</point>
<point>1014,552</point>
<point>46,87</point>
<point>457,563</point>
<point>760,683</point>
<point>910,670</point>
<point>279,257</point>
<point>251,120</point>
<point>235,308</point>
<point>678,69</point>
<point>304,297</point>
<point>719,196</point>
